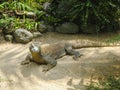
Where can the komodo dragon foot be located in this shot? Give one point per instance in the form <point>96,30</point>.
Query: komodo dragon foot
<point>76,57</point>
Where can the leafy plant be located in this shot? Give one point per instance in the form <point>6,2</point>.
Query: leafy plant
<point>40,14</point>
<point>111,83</point>
<point>113,39</point>
<point>20,6</point>
<point>4,22</point>
<point>7,24</point>
<point>51,20</point>
<point>26,24</point>
<point>102,13</point>
<point>15,5</point>
<point>12,20</point>
<point>4,5</point>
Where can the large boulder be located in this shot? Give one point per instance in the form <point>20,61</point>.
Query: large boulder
<point>23,36</point>
<point>68,28</point>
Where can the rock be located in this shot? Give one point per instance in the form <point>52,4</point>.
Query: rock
<point>90,29</point>
<point>45,27</point>
<point>37,34</point>
<point>50,28</point>
<point>9,38</point>
<point>23,36</point>
<point>68,28</point>
<point>42,28</point>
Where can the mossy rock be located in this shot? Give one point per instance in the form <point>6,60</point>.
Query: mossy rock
<point>42,28</point>
<point>67,28</point>
<point>90,29</point>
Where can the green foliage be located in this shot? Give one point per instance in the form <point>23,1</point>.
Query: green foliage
<point>111,83</point>
<point>20,6</point>
<point>113,39</point>
<point>27,24</point>
<point>42,1</point>
<point>15,5</point>
<point>10,24</point>
<point>102,13</point>
<point>4,5</point>
<point>5,22</point>
<point>24,5</point>
<point>49,19</point>
<point>40,14</point>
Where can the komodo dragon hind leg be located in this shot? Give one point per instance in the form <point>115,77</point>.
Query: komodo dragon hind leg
<point>51,62</point>
<point>27,60</point>
<point>70,51</point>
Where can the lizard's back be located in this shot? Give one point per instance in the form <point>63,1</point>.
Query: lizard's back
<point>56,50</point>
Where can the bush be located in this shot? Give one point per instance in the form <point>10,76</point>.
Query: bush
<point>9,25</point>
<point>102,13</point>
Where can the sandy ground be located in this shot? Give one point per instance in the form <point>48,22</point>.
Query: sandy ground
<point>67,75</point>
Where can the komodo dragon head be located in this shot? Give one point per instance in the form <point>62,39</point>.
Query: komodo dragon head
<point>35,48</point>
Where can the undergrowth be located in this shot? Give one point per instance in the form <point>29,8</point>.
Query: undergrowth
<point>113,39</point>
<point>110,83</point>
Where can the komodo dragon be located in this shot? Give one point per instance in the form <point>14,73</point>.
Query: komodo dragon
<point>48,53</point>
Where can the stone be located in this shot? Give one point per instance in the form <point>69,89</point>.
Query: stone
<point>50,28</point>
<point>37,34</point>
<point>42,28</point>
<point>90,29</point>
<point>67,28</point>
<point>23,36</point>
<point>9,38</point>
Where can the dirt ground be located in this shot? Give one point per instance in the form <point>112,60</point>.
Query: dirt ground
<point>67,75</point>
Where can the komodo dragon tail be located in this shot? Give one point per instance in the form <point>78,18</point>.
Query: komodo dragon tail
<point>76,44</point>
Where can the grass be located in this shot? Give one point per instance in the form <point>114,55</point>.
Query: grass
<point>109,83</point>
<point>113,39</point>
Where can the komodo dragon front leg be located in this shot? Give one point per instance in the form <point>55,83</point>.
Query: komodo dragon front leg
<point>27,60</point>
<point>50,61</point>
